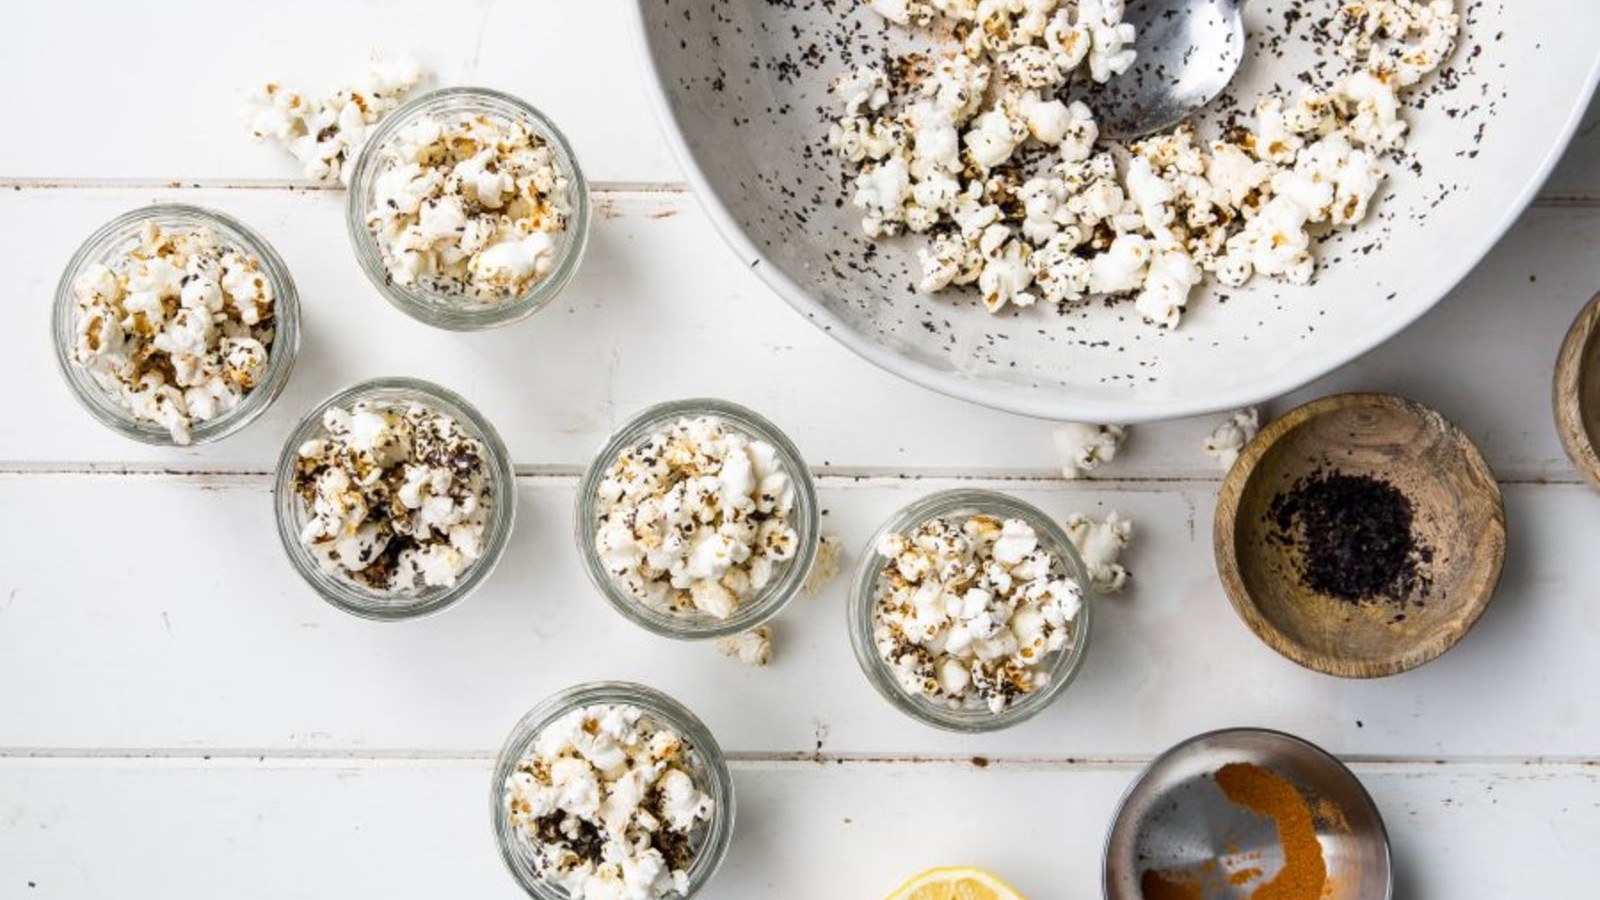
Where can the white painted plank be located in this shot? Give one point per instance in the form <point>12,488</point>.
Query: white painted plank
<point>662,310</point>
<point>160,93</point>
<point>281,830</point>
<point>575,60</point>
<point>181,626</point>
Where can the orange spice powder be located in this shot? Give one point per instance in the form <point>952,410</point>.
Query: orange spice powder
<point>1304,874</point>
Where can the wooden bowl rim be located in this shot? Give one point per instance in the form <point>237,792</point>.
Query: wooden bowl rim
<point>1227,551</point>
<point>1567,392</point>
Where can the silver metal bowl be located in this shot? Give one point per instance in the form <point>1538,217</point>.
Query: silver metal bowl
<point>1176,819</point>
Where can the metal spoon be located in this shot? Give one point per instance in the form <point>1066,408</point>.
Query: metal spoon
<point>1188,52</point>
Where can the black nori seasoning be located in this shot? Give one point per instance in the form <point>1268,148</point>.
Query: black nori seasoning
<point>1355,535</point>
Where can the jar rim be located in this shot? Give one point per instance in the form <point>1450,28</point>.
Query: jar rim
<point>749,614</point>
<point>342,592</point>
<point>427,306</point>
<point>1067,663</point>
<point>101,404</point>
<point>711,772</point>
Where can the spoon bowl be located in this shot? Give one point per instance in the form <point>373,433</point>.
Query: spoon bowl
<point>1188,52</point>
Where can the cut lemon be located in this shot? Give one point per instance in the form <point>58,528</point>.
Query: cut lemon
<point>956,883</point>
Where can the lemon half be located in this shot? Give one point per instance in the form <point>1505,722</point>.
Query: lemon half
<point>956,883</point>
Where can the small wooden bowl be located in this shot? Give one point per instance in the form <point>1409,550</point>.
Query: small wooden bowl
<point>1577,392</point>
<point>1458,514</point>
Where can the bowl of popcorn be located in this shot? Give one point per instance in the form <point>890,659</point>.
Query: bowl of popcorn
<point>394,498</point>
<point>698,519</point>
<point>611,789</point>
<point>970,611</point>
<point>467,209</point>
<point>176,325</point>
<point>928,182</point>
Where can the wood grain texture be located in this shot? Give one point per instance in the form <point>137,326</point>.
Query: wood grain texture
<point>271,829</point>
<point>661,309</point>
<point>183,627</point>
<point>1460,519</point>
<point>187,122</point>
<point>1576,392</point>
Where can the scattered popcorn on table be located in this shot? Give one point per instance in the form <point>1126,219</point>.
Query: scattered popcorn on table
<point>1231,435</point>
<point>695,518</point>
<point>177,329</point>
<point>753,647</point>
<point>326,135</point>
<point>608,802</point>
<point>469,206</point>
<point>968,612</point>
<point>1099,545</point>
<point>825,568</point>
<point>397,498</point>
<point>1083,447</point>
<point>984,152</point>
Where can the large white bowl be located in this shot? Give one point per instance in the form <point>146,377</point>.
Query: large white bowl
<point>741,87</point>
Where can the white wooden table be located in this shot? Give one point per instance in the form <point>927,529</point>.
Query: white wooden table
<point>181,717</point>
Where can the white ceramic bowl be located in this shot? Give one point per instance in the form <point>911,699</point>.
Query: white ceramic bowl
<point>746,108</point>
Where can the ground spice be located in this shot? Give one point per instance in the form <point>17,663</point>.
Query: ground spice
<point>1356,537</point>
<point>1304,874</point>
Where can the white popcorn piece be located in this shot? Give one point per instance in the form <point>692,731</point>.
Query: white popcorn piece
<point>606,800</point>
<point>176,328</point>
<point>397,497</point>
<point>1230,436</point>
<point>752,648</point>
<point>696,518</point>
<point>470,207</point>
<point>968,613</point>
<point>825,568</point>
<point>958,149</point>
<point>1084,446</point>
<point>1100,546</point>
<point>326,135</point>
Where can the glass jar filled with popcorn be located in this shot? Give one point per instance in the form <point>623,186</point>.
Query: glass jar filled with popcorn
<point>176,325</point>
<point>970,611</point>
<point>395,498</point>
<point>467,209</point>
<point>698,519</point>
<point>611,789</point>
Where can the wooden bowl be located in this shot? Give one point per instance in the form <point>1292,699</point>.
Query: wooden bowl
<point>1577,392</point>
<point>1458,514</point>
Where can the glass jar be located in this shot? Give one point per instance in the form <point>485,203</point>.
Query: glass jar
<point>706,765</point>
<point>459,313</point>
<point>117,237</point>
<point>350,595</point>
<point>698,625</point>
<point>1062,664</point>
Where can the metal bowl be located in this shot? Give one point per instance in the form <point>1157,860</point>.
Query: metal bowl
<point>1176,819</point>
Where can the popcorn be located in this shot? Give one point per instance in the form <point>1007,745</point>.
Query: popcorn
<point>470,207</point>
<point>397,498</point>
<point>825,568</point>
<point>696,518</point>
<point>986,152</point>
<point>752,648</point>
<point>326,135</point>
<point>1231,435</point>
<point>1100,545</point>
<point>967,613</point>
<point>177,329</point>
<point>608,803</point>
<point>1083,447</point>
